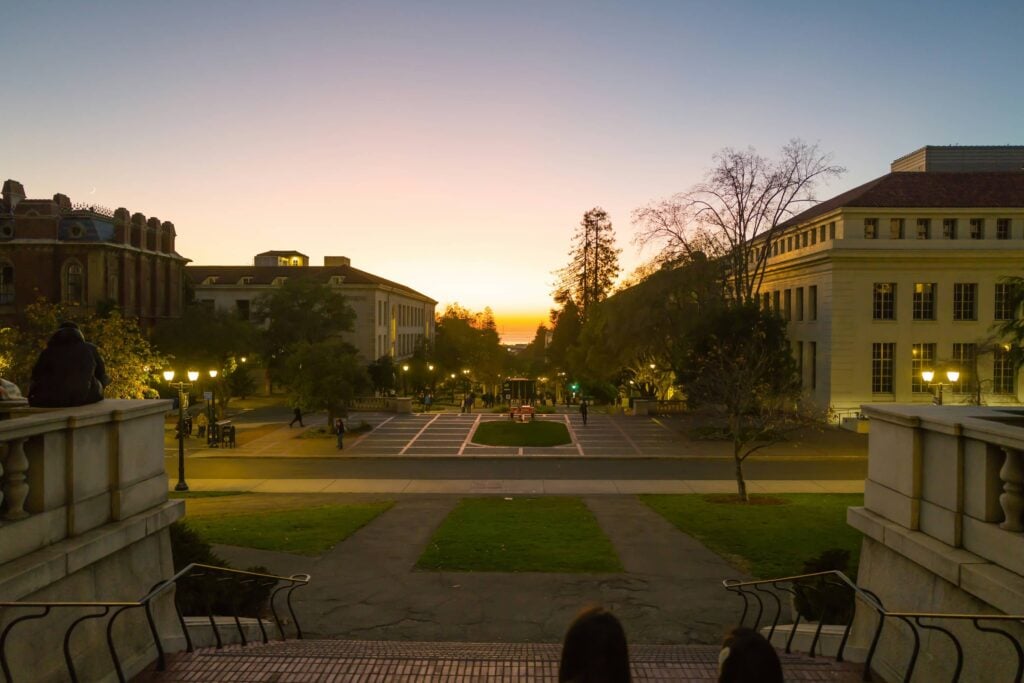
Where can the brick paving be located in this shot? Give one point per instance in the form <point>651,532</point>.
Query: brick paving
<point>322,661</point>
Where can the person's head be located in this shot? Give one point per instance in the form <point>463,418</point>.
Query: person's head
<point>594,650</point>
<point>67,333</point>
<point>747,657</point>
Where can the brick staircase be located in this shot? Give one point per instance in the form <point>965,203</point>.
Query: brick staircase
<point>403,662</point>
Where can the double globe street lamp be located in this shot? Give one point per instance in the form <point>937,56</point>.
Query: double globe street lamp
<point>181,386</point>
<point>929,375</point>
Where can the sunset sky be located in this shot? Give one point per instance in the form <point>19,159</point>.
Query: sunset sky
<point>453,146</point>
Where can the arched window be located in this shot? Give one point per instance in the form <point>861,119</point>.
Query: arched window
<point>6,283</point>
<point>74,283</point>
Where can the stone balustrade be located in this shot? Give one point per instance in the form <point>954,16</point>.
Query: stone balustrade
<point>83,516</point>
<point>943,520</point>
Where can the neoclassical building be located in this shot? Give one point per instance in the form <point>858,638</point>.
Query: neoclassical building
<point>901,275</point>
<point>86,257</point>
<point>390,317</point>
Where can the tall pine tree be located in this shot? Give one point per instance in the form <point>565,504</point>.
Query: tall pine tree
<point>593,263</point>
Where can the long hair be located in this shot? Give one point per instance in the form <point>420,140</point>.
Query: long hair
<point>748,658</point>
<point>594,650</point>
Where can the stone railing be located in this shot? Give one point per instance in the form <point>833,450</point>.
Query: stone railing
<point>84,516</point>
<point>67,471</point>
<point>943,514</point>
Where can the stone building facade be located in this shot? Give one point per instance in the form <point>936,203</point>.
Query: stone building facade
<point>900,275</point>
<point>86,257</point>
<point>391,318</point>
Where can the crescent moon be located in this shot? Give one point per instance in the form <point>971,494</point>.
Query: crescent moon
<point>92,191</point>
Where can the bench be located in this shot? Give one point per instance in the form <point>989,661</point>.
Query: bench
<point>522,413</point>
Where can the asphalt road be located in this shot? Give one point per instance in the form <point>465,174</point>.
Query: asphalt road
<point>768,468</point>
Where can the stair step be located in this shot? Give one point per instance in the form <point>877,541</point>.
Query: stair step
<point>405,661</point>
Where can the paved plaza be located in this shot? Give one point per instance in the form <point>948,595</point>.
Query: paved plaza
<point>432,453</point>
<point>388,621</point>
<point>450,434</point>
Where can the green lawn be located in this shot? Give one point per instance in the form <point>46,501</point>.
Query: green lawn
<point>520,535</point>
<point>531,433</point>
<point>301,531</point>
<point>771,539</point>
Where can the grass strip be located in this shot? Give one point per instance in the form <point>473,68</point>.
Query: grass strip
<point>772,536</point>
<point>530,433</point>
<point>300,531</point>
<point>520,535</point>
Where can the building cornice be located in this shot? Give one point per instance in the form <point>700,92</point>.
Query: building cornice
<point>93,245</point>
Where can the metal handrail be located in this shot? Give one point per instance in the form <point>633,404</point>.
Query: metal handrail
<point>194,569</point>
<point>912,619</point>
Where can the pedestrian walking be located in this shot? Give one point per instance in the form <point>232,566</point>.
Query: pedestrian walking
<point>202,422</point>
<point>583,411</point>
<point>297,418</point>
<point>339,428</point>
<point>427,401</point>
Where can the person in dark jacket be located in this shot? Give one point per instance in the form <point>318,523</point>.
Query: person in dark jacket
<point>69,371</point>
<point>595,650</point>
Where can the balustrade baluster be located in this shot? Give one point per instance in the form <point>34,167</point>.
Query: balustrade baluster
<point>5,447</point>
<point>15,487</point>
<point>1012,498</point>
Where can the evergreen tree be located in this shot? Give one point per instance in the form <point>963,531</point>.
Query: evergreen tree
<point>593,263</point>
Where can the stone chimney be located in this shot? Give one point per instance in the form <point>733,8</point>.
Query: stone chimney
<point>63,203</point>
<point>337,261</point>
<point>13,193</point>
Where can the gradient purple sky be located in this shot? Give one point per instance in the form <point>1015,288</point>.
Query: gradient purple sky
<point>454,146</point>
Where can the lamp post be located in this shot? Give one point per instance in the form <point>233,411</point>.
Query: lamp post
<point>180,386</point>
<point>405,370</point>
<point>211,409</point>
<point>929,375</point>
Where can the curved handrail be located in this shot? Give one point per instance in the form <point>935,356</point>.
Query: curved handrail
<point>743,589</point>
<point>290,583</point>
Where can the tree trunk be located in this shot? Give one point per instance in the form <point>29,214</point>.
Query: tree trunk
<point>737,446</point>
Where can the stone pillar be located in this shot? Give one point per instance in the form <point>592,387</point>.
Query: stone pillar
<point>15,489</point>
<point>1012,498</point>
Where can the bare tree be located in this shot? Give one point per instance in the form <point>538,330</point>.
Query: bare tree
<point>734,213</point>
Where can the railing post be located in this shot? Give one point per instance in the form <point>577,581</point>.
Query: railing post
<point>15,488</point>
<point>1012,498</point>
<point>6,447</point>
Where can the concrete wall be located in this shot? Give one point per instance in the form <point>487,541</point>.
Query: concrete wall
<point>88,523</point>
<point>934,539</point>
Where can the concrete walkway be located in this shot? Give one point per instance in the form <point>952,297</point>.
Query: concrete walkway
<point>367,586</point>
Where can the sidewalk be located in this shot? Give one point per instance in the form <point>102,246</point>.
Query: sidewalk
<point>523,486</point>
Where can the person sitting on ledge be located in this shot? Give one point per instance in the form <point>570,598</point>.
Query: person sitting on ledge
<point>69,371</point>
<point>594,650</point>
<point>748,657</point>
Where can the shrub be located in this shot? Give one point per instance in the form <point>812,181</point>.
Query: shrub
<point>824,598</point>
<point>203,594</point>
